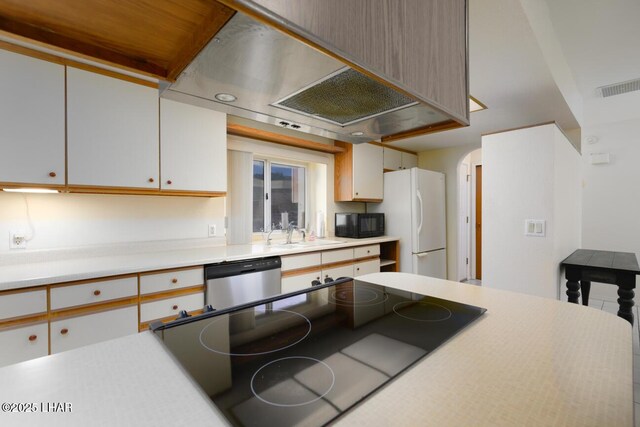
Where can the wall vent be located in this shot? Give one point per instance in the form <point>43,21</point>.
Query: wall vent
<point>619,88</point>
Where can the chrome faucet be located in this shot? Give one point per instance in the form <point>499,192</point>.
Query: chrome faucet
<point>273,227</point>
<point>303,233</point>
<point>290,229</point>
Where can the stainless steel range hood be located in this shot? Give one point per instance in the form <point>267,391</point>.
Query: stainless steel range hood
<point>279,80</point>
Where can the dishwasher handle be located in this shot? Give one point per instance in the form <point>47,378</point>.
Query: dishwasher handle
<point>237,268</point>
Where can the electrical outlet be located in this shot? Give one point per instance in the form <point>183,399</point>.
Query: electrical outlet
<point>17,240</point>
<point>212,230</point>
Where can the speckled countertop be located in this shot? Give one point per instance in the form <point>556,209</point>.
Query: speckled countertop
<point>527,361</point>
<point>47,267</point>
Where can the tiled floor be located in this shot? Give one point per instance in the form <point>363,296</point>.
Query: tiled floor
<point>612,307</point>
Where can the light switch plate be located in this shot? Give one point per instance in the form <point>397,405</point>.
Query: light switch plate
<point>212,230</point>
<point>17,240</point>
<point>535,227</point>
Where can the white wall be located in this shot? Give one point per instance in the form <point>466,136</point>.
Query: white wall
<point>67,220</point>
<point>447,160</point>
<point>531,173</point>
<point>611,194</point>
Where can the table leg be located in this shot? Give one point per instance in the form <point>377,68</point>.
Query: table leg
<point>573,291</point>
<point>625,301</point>
<point>585,286</point>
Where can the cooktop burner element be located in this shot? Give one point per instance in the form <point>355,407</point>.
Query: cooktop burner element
<point>266,383</point>
<point>422,311</point>
<point>208,337</point>
<point>306,358</point>
<point>352,295</point>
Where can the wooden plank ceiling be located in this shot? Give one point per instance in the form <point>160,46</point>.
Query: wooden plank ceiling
<point>153,37</point>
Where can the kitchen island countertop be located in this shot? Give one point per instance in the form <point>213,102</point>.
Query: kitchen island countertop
<point>526,361</point>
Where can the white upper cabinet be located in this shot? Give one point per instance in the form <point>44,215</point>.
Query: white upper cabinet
<point>396,160</point>
<point>113,132</point>
<point>392,159</point>
<point>409,160</point>
<point>31,120</point>
<point>193,147</point>
<point>367,172</point>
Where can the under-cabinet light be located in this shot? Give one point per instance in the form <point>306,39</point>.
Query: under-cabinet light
<point>30,190</point>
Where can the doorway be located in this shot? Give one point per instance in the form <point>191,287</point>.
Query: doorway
<point>469,216</point>
<point>478,221</point>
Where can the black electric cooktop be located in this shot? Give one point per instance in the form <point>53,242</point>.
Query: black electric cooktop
<point>307,358</point>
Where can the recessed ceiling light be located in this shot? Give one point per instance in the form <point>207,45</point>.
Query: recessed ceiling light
<point>357,133</point>
<point>475,105</point>
<point>225,97</point>
<point>30,190</point>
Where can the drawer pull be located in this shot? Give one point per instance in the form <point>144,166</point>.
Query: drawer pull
<point>358,268</point>
<point>169,182</point>
<point>150,179</point>
<point>368,251</point>
<point>175,307</point>
<point>96,292</point>
<point>64,331</point>
<point>52,174</point>
<point>174,280</point>
<point>33,337</point>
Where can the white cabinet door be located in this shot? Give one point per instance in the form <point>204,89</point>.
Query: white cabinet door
<point>31,120</point>
<point>23,343</point>
<point>367,171</point>
<point>193,146</point>
<point>366,267</point>
<point>337,272</point>
<point>112,132</point>
<point>300,281</point>
<point>409,160</point>
<point>392,159</point>
<point>75,332</point>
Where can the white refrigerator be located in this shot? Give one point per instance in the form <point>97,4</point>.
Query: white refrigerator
<point>414,211</point>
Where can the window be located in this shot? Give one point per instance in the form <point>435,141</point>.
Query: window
<point>279,194</point>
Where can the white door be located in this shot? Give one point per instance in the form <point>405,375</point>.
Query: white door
<point>113,135</point>
<point>193,147</point>
<point>368,171</point>
<point>429,205</point>
<point>464,218</point>
<point>432,264</point>
<point>31,120</point>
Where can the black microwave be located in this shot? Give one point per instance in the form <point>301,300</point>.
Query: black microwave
<point>359,225</point>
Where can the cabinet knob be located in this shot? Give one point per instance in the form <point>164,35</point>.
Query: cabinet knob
<point>357,193</point>
<point>368,251</point>
<point>150,179</point>
<point>33,337</point>
<point>357,268</point>
<point>175,307</point>
<point>52,174</point>
<point>169,182</point>
<point>64,331</point>
<point>96,292</point>
<point>174,280</point>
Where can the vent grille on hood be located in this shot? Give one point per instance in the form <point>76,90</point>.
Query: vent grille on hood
<point>620,88</point>
<point>344,98</point>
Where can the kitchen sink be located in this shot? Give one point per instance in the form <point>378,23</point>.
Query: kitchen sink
<point>306,244</point>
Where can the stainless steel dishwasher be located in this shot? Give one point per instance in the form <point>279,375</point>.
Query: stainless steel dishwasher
<point>239,282</point>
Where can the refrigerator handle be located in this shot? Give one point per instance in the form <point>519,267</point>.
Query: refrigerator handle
<point>421,209</point>
<point>423,254</point>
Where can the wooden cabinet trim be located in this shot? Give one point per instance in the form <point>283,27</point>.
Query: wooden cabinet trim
<point>83,310</point>
<point>263,135</point>
<point>171,270</point>
<point>171,294</point>
<point>23,290</point>
<point>18,322</point>
<point>388,147</point>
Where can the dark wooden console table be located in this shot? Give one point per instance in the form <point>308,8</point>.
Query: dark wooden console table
<point>617,268</point>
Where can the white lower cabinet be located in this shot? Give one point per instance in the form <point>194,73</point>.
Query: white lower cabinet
<point>300,281</point>
<point>159,309</point>
<point>75,332</point>
<point>23,343</point>
<point>337,272</point>
<point>366,267</point>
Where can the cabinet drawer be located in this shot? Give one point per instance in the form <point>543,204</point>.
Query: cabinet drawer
<point>93,292</point>
<point>366,251</point>
<point>300,281</point>
<point>366,267</point>
<point>171,306</point>
<point>24,343</point>
<point>160,282</point>
<point>340,255</point>
<point>23,304</point>
<point>75,332</point>
<point>334,273</point>
<point>296,262</point>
